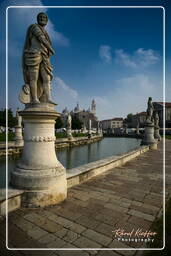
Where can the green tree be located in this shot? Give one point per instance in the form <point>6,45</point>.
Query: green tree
<point>12,120</point>
<point>76,123</point>
<point>129,117</point>
<point>59,124</point>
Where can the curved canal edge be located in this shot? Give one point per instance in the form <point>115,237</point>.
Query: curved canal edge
<point>85,172</point>
<point>75,176</point>
<point>59,143</point>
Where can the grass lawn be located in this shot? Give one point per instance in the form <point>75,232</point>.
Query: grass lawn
<point>60,135</point>
<point>11,136</point>
<point>168,137</point>
<point>158,227</point>
<point>64,135</point>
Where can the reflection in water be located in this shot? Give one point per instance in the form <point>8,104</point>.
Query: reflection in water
<point>73,157</point>
<point>76,156</point>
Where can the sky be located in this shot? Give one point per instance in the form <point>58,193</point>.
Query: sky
<point>114,55</point>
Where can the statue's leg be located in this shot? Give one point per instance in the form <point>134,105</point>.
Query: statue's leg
<point>34,73</point>
<point>46,84</point>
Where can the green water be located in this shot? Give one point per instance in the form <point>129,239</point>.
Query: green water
<point>76,156</point>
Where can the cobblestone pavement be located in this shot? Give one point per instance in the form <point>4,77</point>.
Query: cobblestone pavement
<point>127,197</point>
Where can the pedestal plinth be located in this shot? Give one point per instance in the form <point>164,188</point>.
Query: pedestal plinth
<point>156,133</point>
<point>39,172</point>
<point>148,138</point>
<point>18,136</point>
<point>69,134</point>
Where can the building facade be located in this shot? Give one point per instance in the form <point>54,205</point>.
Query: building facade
<point>159,107</point>
<point>139,118</point>
<point>113,123</point>
<point>83,115</point>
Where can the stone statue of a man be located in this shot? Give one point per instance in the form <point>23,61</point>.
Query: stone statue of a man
<point>156,119</point>
<point>37,69</point>
<point>69,121</point>
<point>150,110</point>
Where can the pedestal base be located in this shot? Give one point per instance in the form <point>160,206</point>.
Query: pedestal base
<point>18,136</point>
<point>69,134</point>
<point>148,138</point>
<point>153,146</point>
<point>39,173</point>
<point>157,134</point>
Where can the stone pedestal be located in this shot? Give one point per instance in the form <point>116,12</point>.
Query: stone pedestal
<point>89,129</point>
<point>137,131</point>
<point>39,173</point>
<point>69,134</point>
<point>148,138</point>
<point>156,133</point>
<point>18,136</point>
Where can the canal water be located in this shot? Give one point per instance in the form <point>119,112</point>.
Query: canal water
<point>76,156</point>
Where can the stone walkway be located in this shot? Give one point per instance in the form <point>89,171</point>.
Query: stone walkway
<point>126,197</point>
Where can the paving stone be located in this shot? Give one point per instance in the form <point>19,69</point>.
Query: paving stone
<point>97,237</point>
<point>107,253</point>
<point>36,233</point>
<point>67,213</point>
<point>84,242</point>
<point>61,233</point>
<point>87,222</point>
<point>111,220</point>
<point>72,253</point>
<point>104,229</point>
<point>131,187</point>
<point>24,224</point>
<point>141,215</point>
<point>43,222</point>
<point>71,236</point>
<point>145,224</point>
<point>47,239</point>
<point>116,207</point>
<point>57,243</point>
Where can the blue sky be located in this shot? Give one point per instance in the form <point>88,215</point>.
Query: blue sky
<point>111,54</point>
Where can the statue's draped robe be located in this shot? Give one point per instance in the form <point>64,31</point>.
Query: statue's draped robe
<point>36,56</point>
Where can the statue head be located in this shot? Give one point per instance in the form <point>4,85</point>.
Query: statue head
<point>42,19</point>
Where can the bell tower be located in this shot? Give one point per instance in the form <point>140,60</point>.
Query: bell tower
<point>93,107</point>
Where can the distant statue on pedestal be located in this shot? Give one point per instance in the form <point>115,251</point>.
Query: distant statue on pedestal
<point>138,125</point>
<point>69,126</point>
<point>19,118</point>
<point>89,129</point>
<point>148,138</point>
<point>37,70</point>
<point>156,126</point>
<point>69,121</point>
<point>18,130</point>
<point>150,110</point>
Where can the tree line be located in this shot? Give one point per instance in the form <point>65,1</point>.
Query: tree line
<point>12,120</point>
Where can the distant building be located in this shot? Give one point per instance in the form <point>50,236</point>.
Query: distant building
<point>116,122</point>
<point>83,115</point>
<point>159,107</point>
<point>138,118</point>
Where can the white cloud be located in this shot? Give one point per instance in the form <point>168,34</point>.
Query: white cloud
<point>63,94</point>
<point>105,53</point>
<point>139,59</point>
<point>60,83</point>
<point>129,95</point>
<point>26,18</point>
<point>125,59</point>
<point>56,36</point>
